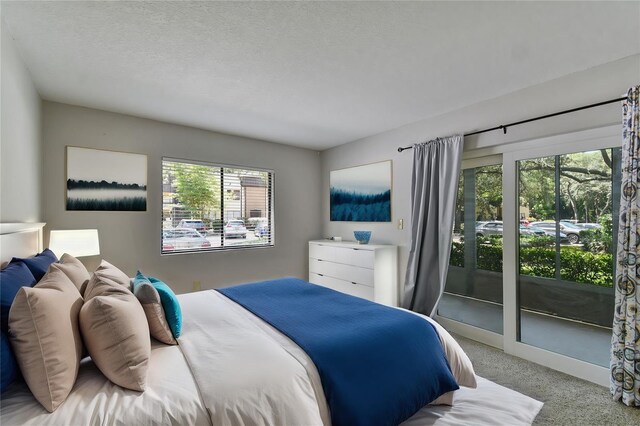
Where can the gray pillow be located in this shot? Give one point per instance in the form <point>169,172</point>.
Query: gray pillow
<point>150,300</point>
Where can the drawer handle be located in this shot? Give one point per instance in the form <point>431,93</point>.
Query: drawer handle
<point>354,283</point>
<point>319,260</point>
<point>320,275</point>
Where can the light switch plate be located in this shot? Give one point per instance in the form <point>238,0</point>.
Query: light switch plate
<point>400,223</point>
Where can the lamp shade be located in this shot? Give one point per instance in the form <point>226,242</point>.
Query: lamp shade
<point>76,242</point>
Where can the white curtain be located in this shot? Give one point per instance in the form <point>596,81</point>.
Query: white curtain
<point>436,167</point>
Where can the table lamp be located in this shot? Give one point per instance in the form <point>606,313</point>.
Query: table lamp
<point>76,242</point>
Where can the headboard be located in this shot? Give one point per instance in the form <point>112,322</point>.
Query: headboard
<point>20,240</point>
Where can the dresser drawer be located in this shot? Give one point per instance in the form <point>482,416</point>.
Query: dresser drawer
<point>341,271</point>
<point>347,255</point>
<point>359,257</point>
<point>357,290</point>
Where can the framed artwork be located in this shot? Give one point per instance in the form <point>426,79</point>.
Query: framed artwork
<point>105,180</point>
<point>361,194</point>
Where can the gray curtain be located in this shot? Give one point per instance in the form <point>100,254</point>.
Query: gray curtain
<point>436,167</point>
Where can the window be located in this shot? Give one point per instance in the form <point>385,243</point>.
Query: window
<point>473,292</point>
<point>207,207</point>
<point>566,273</point>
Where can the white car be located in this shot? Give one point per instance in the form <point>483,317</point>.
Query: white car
<point>235,228</point>
<point>196,224</point>
<point>183,239</point>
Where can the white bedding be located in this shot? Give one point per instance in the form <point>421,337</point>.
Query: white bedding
<point>245,371</point>
<point>488,405</point>
<point>231,368</point>
<point>171,398</point>
<point>273,390</point>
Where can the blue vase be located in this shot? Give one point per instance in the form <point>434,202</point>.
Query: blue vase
<point>362,236</point>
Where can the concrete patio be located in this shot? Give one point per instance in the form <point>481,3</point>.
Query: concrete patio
<point>572,338</point>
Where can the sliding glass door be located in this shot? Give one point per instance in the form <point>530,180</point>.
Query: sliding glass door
<point>473,294</point>
<point>532,262</point>
<point>566,267</point>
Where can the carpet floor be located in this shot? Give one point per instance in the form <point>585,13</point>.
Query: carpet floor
<point>567,399</point>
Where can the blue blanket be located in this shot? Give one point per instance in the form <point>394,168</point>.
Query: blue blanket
<point>378,365</point>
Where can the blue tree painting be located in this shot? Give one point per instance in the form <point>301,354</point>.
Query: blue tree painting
<point>361,194</point>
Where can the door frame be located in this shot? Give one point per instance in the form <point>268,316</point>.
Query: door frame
<point>510,154</point>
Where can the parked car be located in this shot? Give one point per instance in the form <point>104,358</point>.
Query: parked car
<point>489,228</point>
<point>196,224</point>
<point>262,229</point>
<point>589,225</point>
<point>552,233</point>
<point>496,228</point>
<point>532,230</point>
<point>235,228</point>
<point>583,225</point>
<point>252,222</point>
<point>183,239</point>
<point>571,231</point>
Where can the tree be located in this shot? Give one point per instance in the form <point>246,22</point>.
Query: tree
<point>585,186</point>
<point>489,193</point>
<point>197,189</point>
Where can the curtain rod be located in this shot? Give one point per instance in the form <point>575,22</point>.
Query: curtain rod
<point>541,117</point>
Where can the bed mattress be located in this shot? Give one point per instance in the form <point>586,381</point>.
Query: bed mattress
<point>172,398</point>
<point>232,368</point>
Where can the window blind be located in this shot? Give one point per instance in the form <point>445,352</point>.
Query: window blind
<point>207,207</point>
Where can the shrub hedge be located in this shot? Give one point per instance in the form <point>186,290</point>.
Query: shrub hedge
<point>538,259</point>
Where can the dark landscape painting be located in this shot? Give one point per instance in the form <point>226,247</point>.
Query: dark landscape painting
<point>361,194</point>
<point>106,180</point>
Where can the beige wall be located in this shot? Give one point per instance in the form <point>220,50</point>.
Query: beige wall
<point>594,85</point>
<point>255,198</point>
<point>20,141</point>
<point>131,240</point>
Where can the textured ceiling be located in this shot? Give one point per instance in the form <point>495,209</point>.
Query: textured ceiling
<point>314,74</point>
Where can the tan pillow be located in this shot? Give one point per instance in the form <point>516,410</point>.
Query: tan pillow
<point>150,300</point>
<point>104,278</point>
<point>115,332</point>
<point>75,270</point>
<point>43,323</point>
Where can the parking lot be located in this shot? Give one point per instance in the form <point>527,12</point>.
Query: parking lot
<point>251,239</point>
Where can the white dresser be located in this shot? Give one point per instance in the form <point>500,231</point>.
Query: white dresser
<point>365,270</point>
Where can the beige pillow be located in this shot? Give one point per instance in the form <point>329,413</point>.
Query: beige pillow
<point>115,331</point>
<point>43,323</point>
<point>75,270</point>
<point>105,277</point>
<point>150,300</point>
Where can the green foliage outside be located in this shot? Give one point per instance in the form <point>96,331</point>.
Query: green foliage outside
<point>538,258</point>
<point>585,195</point>
<point>584,186</point>
<point>196,189</point>
<point>599,240</point>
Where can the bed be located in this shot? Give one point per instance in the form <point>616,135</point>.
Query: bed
<point>231,368</point>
